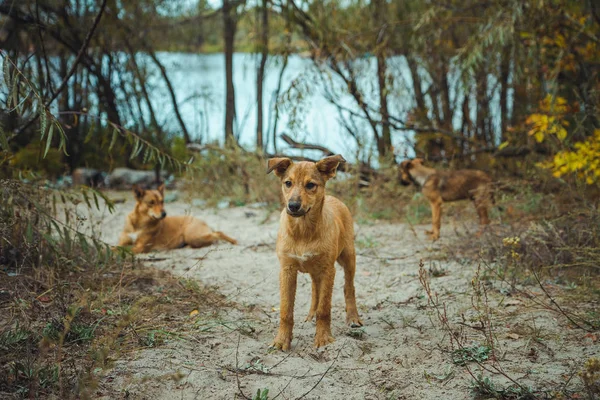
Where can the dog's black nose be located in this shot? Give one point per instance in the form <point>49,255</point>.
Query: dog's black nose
<point>163,214</point>
<point>294,206</point>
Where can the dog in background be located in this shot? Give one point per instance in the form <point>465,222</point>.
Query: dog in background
<point>440,186</point>
<point>315,230</point>
<point>148,228</point>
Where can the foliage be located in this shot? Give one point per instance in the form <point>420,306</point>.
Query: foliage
<point>590,375</point>
<point>31,158</point>
<point>551,121</point>
<point>583,161</point>
<point>75,303</point>
<point>261,394</point>
<point>476,353</point>
<point>483,387</point>
<point>233,175</point>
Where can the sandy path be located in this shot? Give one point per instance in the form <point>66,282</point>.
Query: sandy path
<point>396,356</point>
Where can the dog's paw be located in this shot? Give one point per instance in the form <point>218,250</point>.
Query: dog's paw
<point>353,321</point>
<point>434,236</point>
<point>282,342</point>
<point>323,340</point>
<point>429,232</point>
<point>310,316</point>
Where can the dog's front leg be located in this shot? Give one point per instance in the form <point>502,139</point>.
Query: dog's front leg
<point>324,282</point>
<point>143,244</point>
<point>287,286</point>
<point>313,302</point>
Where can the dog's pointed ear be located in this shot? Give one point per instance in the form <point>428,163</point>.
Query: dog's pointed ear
<point>138,192</point>
<point>329,165</point>
<point>161,189</point>
<point>279,165</point>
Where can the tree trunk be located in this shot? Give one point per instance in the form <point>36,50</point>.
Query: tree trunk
<point>229,28</point>
<point>385,143</point>
<point>504,73</point>
<point>264,47</point>
<point>414,74</point>
<point>276,95</point>
<point>163,73</point>
<point>482,105</point>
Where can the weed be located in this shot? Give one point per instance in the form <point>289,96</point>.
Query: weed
<point>357,333</point>
<point>437,270</point>
<point>367,242</point>
<point>14,336</point>
<point>418,210</point>
<point>71,312</point>
<point>590,375</point>
<point>256,365</point>
<point>467,354</point>
<point>261,394</point>
<point>449,374</point>
<point>230,172</point>
<point>483,387</point>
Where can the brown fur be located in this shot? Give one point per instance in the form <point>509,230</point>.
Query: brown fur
<point>439,186</point>
<point>148,228</point>
<point>315,230</point>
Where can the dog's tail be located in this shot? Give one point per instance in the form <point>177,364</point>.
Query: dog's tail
<point>224,237</point>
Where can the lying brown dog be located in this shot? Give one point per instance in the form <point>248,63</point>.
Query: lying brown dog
<point>315,230</point>
<point>439,186</point>
<point>148,228</point>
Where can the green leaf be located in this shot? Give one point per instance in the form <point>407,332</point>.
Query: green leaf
<point>90,134</point>
<point>43,123</point>
<point>49,139</point>
<point>6,69</point>
<point>62,144</point>
<point>3,139</point>
<point>135,146</point>
<point>113,140</point>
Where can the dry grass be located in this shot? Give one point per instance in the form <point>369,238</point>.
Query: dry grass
<point>69,305</point>
<point>240,177</point>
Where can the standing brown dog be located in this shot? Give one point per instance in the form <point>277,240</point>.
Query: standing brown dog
<point>148,228</point>
<point>440,186</point>
<point>315,230</point>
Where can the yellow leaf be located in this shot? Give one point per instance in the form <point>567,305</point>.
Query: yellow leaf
<point>193,313</point>
<point>503,145</point>
<point>561,134</point>
<point>539,137</point>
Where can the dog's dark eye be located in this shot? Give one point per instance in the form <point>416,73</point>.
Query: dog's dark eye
<point>311,185</point>
<point>151,203</point>
<point>288,183</point>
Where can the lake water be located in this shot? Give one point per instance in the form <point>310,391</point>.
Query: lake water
<point>305,112</point>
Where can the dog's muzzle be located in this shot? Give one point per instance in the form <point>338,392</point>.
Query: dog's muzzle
<point>159,216</point>
<point>404,182</point>
<point>294,209</point>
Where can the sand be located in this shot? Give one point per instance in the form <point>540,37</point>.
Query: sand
<point>401,353</point>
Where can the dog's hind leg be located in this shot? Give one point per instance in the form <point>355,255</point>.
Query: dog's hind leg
<point>207,239</point>
<point>483,200</point>
<point>436,218</point>
<point>224,237</point>
<point>347,260</point>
